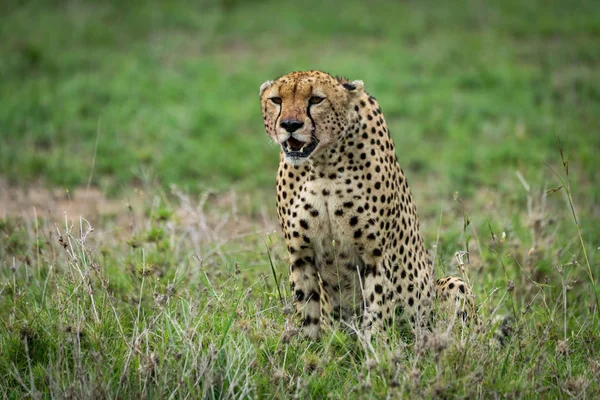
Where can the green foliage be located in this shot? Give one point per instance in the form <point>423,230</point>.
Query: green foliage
<point>169,91</point>
<point>203,310</point>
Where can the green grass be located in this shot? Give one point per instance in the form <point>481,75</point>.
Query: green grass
<point>178,296</point>
<point>184,301</point>
<point>166,89</point>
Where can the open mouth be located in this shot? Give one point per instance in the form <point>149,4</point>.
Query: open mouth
<point>297,149</point>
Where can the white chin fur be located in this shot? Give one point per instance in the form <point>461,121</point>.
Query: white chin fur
<point>296,161</point>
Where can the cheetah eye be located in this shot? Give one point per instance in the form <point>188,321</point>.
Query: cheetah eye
<point>276,100</point>
<point>315,100</point>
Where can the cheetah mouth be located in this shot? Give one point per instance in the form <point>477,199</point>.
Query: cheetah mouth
<point>295,148</point>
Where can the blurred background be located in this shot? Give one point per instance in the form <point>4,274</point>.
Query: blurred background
<point>117,93</point>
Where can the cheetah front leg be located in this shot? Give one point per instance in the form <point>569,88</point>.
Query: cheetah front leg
<point>304,282</point>
<point>376,311</point>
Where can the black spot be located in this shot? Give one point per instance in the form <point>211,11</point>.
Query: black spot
<point>353,221</point>
<point>357,233</point>
<point>304,224</point>
<point>299,295</point>
<point>314,296</point>
<point>461,288</point>
<point>310,321</point>
<point>369,270</point>
<point>378,289</point>
<point>376,252</point>
<point>299,262</point>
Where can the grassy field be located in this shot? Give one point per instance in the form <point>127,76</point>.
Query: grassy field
<point>177,285</point>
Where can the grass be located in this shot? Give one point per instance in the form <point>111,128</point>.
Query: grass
<point>181,292</point>
<point>161,91</point>
<point>185,302</point>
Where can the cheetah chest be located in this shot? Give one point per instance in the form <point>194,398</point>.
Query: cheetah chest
<point>336,256</point>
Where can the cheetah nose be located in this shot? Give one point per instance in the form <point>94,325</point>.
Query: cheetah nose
<point>291,125</point>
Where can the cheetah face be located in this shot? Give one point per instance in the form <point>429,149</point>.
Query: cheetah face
<point>306,112</point>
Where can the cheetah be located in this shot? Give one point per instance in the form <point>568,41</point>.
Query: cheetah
<point>347,214</point>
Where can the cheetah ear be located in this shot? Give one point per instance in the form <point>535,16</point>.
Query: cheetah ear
<point>354,87</point>
<point>264,87</point>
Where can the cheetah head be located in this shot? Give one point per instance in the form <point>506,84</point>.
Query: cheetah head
<point>305,112</point>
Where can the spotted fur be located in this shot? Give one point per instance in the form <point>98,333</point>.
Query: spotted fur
<point>345,208</point>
